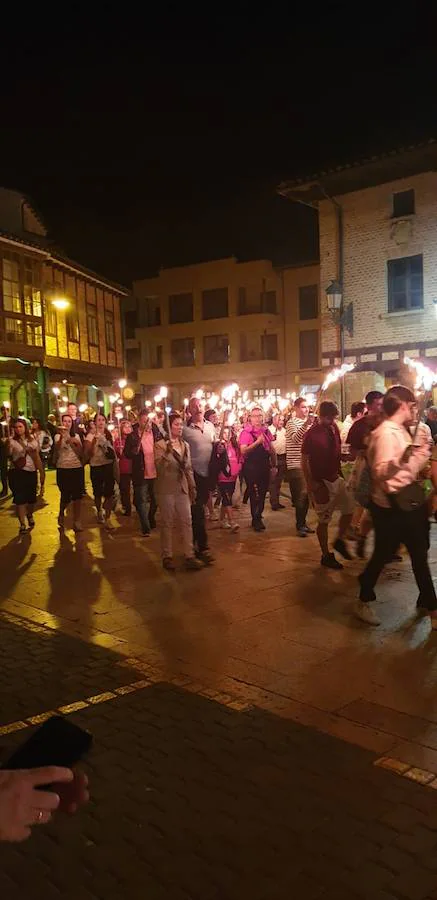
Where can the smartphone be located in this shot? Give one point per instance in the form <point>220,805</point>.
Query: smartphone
<point>58,742</point>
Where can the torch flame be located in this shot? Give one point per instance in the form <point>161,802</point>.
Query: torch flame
<point>336,374</point>
<point>425,377</point>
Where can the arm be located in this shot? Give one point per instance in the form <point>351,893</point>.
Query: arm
<point>247,448</point>
<point>298,434</point>
<point>396,475</point>
<point>89,449</point>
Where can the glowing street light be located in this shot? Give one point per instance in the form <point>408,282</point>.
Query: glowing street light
<point>83,407</point>
<point>56,391</point>
<point>60,303</point>
<point>100,403</point>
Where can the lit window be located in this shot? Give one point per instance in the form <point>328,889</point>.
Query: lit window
<point>11,283</point>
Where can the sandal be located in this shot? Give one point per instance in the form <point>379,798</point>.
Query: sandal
<point>22,529</point>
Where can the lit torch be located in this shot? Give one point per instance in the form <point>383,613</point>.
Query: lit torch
<point>425,379</point>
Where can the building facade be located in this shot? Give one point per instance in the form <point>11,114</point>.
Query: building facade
<point>225,321</point>
<point>378,241</point>
<point>60,325</point>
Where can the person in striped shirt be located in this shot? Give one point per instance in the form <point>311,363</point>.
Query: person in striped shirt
<point>297,427</point>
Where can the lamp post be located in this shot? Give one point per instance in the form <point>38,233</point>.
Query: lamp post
<point>343,317</point>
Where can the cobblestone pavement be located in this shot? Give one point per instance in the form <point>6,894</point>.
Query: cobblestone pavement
<point>198,797</point>
<point>227,707</point>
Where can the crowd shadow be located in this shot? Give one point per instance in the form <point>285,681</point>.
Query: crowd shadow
<point>75,581</point>
<point>15,560</point>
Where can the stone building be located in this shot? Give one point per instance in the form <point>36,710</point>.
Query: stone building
<point>225,321</point>
<point>378,244</point>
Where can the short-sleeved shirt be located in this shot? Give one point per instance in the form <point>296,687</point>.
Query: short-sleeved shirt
<point>98,457</point>
<point>18,450</point>
<point>322,446</point>
<point>67,458</point>
<point>200,440</point>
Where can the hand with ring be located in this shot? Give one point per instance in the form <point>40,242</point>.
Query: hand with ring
<point>22,805</point>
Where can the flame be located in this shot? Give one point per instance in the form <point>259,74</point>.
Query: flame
<point>335,374</point>
<point>213,400</point>
<point>425,377</point>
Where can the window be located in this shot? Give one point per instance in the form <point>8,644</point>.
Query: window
<point>405,283</point>
<point>72,323</point>
<point>404,203</point>
<point>308,302</point>
<point>32,293</point>
<point>309,349</point>
<point>180,308</point>
<point>11,283</point>
<point>250,346</point>
<point>215,303</point>
<point>93,331</point>
<point>14,331</point>
<point>34,334</point>
<point>133,363</point>
<point>130,321</point>
<point>109,330</point>
<point>251,301</point>
<point>182,352</point>
<point>156,356</point>
<point>50,320</point>
<point>215,349</point>
<point>268,302</point>
<point>269,346</point>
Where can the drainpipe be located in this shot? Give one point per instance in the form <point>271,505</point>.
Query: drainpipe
<point>340,277</point>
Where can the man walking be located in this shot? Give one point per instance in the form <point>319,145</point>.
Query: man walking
<point>296,430</point>
<point>278,433</point>
<point>200,437</point>
<point>321,461</point>
<point>140,448</point>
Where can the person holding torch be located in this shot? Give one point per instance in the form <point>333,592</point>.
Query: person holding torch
<point>259,464</point>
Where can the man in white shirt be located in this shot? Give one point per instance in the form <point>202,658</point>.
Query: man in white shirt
<point>277,430</point>
<point>200,437</point>
<point>296,430</point>
<point>395,462</point>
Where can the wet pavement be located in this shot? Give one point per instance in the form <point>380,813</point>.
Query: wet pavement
<point>238,713</point>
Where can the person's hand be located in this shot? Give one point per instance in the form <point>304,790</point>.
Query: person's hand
<point>259,440</point>
<point>72,794</point>
<point>22,805</point>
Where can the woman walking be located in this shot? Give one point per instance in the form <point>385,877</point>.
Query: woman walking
<point>176,492</point>
<point>398,503</point>
<point>23,450</point>
<point>259,464</point>
<point>230,462</point>
<point>100,454</point>
<point>68,459</point>
<point>125,465</point>
<point>44,439</point>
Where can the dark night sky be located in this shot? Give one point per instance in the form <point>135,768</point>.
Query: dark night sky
<point>159,141</point>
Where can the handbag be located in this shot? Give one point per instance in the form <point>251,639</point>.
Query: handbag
<point>409,498</point>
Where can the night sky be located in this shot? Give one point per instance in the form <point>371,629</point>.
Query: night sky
<point>159,141</point>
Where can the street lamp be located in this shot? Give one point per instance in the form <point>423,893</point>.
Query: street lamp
<point>60,303</point>
<point>341,315</point>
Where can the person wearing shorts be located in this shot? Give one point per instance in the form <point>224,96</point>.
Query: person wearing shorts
<point>69,471</point>
<point>321,463</point>
<point>100,454</point>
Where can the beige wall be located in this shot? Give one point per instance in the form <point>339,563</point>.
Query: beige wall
<point>293,279</point>
<point>257,276</point>
<point>370,239</point>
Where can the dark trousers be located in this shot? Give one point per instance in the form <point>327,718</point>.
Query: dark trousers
<point>276,482</point>
<point>200,538</point>
<point>394,527</point>
<point>299,496</point>
<point>144,493</point>
<point>125,483</point>
<point>257,484</point>
<point>4,470</point>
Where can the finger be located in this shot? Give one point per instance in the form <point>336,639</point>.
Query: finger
<point>39,817</point>
<point>49,774</point>
<point>45,800</point>
<point>18,834</point>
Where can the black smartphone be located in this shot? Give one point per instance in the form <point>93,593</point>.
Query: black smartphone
<point>58,742</point>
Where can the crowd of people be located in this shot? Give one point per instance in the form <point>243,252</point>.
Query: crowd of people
<point>185,465</point>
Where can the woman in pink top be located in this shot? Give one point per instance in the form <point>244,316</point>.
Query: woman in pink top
<point>230,467</point>
<point>125,467</point>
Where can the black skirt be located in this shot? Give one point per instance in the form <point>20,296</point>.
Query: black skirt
<point>23,486</point>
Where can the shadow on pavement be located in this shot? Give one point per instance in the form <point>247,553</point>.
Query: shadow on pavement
<point>194,801</point>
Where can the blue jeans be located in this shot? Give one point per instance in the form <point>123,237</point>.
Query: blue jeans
<point>143,493</point>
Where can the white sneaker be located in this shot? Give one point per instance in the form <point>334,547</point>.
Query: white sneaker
<point>235,528</point>
<point>225,524</point>
<point>366,613</point>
